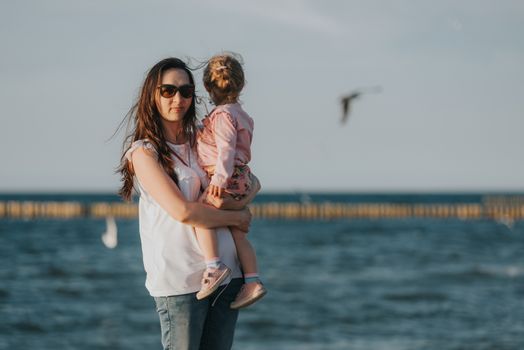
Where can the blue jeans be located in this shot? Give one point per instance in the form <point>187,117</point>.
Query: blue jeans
<point>190,324</point>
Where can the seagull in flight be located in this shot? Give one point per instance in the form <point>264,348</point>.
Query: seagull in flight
<point>346,100</point>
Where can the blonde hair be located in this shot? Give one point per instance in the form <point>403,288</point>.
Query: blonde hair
<point>224,78</point>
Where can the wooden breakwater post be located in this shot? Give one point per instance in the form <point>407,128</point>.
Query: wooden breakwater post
<point>31,210</point>
<point>114,209</point>
<point>326,211</point>
<point>66,210</point>
<point>278,210</point>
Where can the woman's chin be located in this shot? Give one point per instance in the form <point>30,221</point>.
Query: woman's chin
<point>173,118</point>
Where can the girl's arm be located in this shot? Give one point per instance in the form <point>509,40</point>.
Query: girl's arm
<point>225,133</point>
<point>166,193</point>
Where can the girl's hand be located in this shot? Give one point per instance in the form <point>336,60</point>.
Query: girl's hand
<point>217,202</point>
<point>227,202</point>
<point>216,191</point>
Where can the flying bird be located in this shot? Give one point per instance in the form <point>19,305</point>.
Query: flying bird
<point>109,238</point>
<point>348,99</point>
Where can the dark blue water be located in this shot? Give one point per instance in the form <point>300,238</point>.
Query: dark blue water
<point>344,284</point>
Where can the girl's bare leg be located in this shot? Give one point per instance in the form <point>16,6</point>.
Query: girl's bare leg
<point>245,251</point>
<point>252,289</point>
<point>207,239</point>
<point>215,271</point>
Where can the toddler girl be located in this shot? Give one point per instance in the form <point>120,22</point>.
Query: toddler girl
<point>224,150</point>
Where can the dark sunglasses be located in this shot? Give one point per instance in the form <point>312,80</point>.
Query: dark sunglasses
<point>168,90</point>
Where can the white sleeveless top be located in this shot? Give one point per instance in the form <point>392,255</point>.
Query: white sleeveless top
<point>172,257</point>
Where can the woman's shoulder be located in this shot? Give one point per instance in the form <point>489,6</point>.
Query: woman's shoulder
<point>144,145</point>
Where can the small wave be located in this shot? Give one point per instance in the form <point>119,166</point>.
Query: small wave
<point>96,274</point>
<point>68,292</point>
<point>3,293</point>
<point>55,271</point>
<point>500,271</point>
<point>28,326</point>
<point>482,271</point>
<point>416,297</point>
<point>263,326</point>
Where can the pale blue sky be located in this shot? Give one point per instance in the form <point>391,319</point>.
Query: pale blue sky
<point>450,117</point>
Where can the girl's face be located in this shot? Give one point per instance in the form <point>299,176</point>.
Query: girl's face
<point>173,107</point>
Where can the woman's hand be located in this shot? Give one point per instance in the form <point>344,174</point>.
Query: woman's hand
<point>242,214</point>
<point>244,219</point>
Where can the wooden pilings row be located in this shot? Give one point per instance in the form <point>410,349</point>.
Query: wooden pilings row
<point>66,210</point>
<point>274,210</point>
<point>385,210</point>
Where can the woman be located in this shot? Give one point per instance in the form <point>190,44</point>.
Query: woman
<point>161,156</point>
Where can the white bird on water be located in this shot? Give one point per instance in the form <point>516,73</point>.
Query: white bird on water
<point>506,221</point>
<point>109,238</point>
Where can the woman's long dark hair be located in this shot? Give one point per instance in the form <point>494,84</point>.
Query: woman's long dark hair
<point>147,124</point>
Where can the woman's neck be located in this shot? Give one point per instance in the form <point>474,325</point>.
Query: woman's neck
<point>174,132</point>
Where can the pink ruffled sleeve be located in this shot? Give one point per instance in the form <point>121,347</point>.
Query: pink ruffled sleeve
<point>225,138</point>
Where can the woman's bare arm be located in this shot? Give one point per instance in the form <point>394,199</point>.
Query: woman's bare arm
<point>166,193</point>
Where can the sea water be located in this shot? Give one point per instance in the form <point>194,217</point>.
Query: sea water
<point>338,284</point>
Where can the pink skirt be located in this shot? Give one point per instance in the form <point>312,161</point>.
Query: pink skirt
<point>240,182</point>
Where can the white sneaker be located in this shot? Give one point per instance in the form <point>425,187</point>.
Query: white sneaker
<point>249,293</point>
<point>211,280</point>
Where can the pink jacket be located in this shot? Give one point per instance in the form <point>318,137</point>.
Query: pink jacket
<point>225,141</point>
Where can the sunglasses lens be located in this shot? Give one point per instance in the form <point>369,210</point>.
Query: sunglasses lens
<point>186,91</point>
<point>168,91</point>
